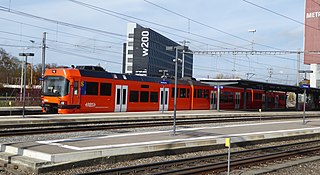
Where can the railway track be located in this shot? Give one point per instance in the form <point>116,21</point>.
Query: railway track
<point>218,162</point>
<point>51,128</point>
<point>19,112</point>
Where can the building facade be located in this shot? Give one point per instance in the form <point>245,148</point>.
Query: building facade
<point>311,40</point>
<point>146,54</point>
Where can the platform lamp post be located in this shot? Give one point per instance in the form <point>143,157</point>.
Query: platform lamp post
<point>25,79</point>
<point>175,48</point>
<point>304,86</point>
<point>164,97</point>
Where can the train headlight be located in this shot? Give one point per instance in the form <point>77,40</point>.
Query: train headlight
<point>63,103</point>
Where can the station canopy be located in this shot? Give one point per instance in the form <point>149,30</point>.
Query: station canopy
<point>257,85</point>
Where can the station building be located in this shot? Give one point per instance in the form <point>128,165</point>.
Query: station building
<point>145,54</point>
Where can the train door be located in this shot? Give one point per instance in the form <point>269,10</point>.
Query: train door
<point>213,100</point>
<point>263,101</point>
<point>276,101</point>
<point>75,95</point>
<point>164,99</point>
<point>121,98</point>
<point>237,104</point>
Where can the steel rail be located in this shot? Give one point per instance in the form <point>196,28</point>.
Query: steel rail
<point>215,163</point>
<point>49,128</point>
<point>192,120</point>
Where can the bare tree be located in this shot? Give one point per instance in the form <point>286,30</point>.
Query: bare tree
<point>221,76</point>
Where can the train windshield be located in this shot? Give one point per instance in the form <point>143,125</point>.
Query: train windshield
<point>55,86</point>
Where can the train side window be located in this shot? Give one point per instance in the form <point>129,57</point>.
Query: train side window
<point>231,98</point>
<point>144,86</point>
<point>206,93</point>
<point>92,88</point>
<point>144,96</point>
<point>134,96</point>
<point>188,93</point>
<point>105,89</point>
<point>75,88</point>
<point>172,94</point>
<point>223,98</point>
<point>153,96</point>
<point>200,95</point>
<point>183,92</point>
<point>248,95</point>
<point>226,97</point>
<point>256,96</point>
<point>195,93</point>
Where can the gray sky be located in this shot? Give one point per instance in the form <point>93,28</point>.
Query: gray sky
<point>206,24</point>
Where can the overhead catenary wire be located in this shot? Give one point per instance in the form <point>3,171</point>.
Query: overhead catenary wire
<point>206,25</point>
<point>83,56</point>
<point>230,74</point>
<point>189,19</point>
<point>195,21</point>
<point>78,54</point>
<point>118,15</point>
<point>230,60</point>
<point>102,32</point>
<point>103,10</point>
<point>61,42</point>
<point>279,14</point>
<point>96,8</point>
<point>53,30</point>
<point>71,44</point>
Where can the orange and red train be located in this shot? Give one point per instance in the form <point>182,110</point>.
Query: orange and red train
<point>79,90</point>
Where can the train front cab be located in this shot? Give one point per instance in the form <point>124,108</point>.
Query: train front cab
<point>61,91</point>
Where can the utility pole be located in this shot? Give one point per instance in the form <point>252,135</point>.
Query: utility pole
<point>252,31</point>
<point>43,57</point>
<point>175,48</point>
<point>21,79</point>
<point>184,42</point>
<point>305,84</point>
<point>270,74</point>
<point>25,79</point>
<point>298,67</point>
<point>31,76</point>
<point>234,64</point>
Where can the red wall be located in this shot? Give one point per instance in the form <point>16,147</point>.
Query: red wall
<point>312,35</point>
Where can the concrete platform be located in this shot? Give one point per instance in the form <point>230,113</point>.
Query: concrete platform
<point>41,155</point>
<point>135,116</point>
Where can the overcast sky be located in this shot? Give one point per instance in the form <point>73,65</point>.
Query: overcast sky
<point>206,24</point>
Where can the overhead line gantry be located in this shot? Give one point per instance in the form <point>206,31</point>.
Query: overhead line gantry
<point>251,52</point>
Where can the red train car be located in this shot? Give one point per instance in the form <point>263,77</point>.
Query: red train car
<point>69,90</point>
